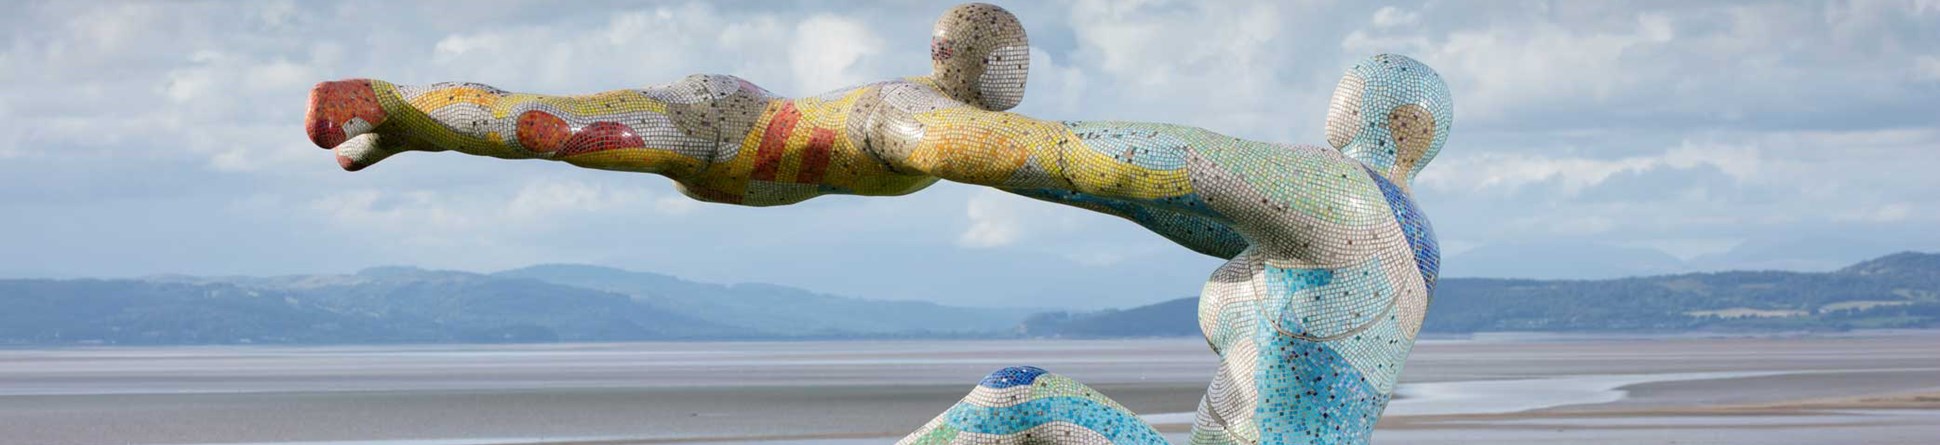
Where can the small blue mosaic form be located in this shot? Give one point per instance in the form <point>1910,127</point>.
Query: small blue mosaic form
<point>1414,226</point>
<point>1012,376</point>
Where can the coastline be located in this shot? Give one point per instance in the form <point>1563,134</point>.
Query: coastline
<point>1883,388</point>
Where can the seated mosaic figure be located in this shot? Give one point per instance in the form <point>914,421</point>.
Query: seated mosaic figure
<point>1330,263</point>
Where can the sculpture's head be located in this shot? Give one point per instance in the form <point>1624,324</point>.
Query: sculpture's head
<point>1392,113</point>
<point>979,56</point>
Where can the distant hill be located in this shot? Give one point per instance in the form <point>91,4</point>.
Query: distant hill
<point>588,303</point>
<point>1175,318</point>
<point>1896,291</point>
<point>386,305</point>
<point>782,310</point>
<point>409,305</point>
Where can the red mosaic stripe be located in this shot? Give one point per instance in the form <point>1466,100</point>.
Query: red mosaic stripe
<point>774,141</point>
<point>815,161</point>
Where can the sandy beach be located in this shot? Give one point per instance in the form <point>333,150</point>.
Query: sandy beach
<point>1870,388</point>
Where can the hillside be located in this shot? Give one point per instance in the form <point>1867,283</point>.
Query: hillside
<point>408,305</point>
<point>389,305</point>
<point>1896,291</point>
<point>781,310</point>
<point>588,303</point>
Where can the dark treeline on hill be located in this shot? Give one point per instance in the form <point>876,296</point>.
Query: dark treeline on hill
<point>1895,291</point>
<point>407,305</point>
<point>557,303</point>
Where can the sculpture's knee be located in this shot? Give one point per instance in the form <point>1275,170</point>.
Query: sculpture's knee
<point>1028,405</point>
<point>1012,376</point>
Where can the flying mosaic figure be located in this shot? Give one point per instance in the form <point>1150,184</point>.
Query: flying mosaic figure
<point>1331,263</point>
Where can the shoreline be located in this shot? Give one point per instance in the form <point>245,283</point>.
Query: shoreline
<point>1883,389</point>
<point>1425,338</point>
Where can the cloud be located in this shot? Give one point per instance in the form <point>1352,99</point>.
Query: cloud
<point>1389,17</point>
<point>1508,171</point>
<point>1224,65</point>
<point>1887,213</point>
<point>675,204</point>
<point>547,201</point>
<point>1669,66</point>
<point>538,204</point>
<point>1927,68</point>
<point>994,221</point>
<point>829,51</point>
<point>417,212</point>
<point>1505,66</point>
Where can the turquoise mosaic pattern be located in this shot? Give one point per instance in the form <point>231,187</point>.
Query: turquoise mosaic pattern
<point>1116,425</point>
<point>1152,146</point>
<point>1415,227</point>
<point>1025,404</point>
<point>1309,393</point>
<point>1204,234</point>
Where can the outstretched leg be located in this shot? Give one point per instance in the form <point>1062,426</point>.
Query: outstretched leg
<point>1027,405</point>
<point>672,129</point>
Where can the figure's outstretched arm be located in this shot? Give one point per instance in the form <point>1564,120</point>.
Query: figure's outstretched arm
<point>671,129</point>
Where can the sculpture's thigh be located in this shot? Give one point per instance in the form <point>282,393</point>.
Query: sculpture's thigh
<point>1295,366</point>
<point>1026,405</point>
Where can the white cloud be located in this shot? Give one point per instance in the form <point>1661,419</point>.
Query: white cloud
<point>830,52</point>
<point>994,221</point>
<point>415,211</point>
<point>1389,17</point>
<point>1057,86</point>
<point>539,202</point>
<point>1927,68</point>
<point>1154,43</point>
<point>546,200</point>
<point>676,204</point>
<point>1495,70</point>
<point>1888,213</point>
<point>1243,67</point>
<point>1505,172</point>
<point>114,28</point>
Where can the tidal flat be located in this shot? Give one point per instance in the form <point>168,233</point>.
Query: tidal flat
<point>1867,387</point>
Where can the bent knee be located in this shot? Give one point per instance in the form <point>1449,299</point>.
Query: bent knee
<point>1012,376</point>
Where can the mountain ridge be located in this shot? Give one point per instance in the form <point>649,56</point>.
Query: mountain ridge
<point>1900,290</point>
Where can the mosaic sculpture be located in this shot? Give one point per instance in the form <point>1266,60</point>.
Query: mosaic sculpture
<point>1331,262</point>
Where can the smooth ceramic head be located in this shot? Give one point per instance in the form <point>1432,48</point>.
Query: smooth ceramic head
<point>1392,113</point>
<point>980,56</point>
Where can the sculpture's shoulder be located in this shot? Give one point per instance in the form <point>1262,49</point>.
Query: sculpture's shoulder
<point>1299,200</point>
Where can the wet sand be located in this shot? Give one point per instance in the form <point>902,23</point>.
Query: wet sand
<point>1875,388</point>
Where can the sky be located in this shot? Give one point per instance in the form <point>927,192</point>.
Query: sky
<point>1591,139</point>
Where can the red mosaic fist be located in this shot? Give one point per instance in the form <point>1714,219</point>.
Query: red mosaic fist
<point>341,110</point>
